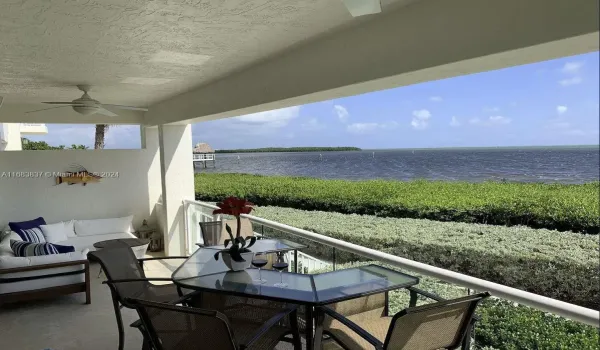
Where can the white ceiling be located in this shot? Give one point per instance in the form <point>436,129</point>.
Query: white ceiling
<point>48,46</point>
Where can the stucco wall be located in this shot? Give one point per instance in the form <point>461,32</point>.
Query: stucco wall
<point>133,187</point>
<point>10,137</point>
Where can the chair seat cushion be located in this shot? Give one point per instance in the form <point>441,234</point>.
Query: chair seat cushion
<point>370,321</point>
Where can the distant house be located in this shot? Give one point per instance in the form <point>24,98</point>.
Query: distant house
<point>202,154</point>
<point>11,134</point>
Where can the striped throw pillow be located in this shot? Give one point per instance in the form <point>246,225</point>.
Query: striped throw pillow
<point>33,235</point>
<point>24,249</point>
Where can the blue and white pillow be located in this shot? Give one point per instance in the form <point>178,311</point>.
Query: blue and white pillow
<point>24,249</point>
<point>32,235</point>
<point>29,231</point>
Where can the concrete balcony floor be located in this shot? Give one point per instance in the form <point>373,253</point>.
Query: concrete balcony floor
<point>66,323</point>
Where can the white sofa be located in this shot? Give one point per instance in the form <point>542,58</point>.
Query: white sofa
<point>25,277</point>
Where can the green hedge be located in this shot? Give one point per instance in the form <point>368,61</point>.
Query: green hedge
<point>504,325</point>
<point>559,265</point>
<point>552,206</point>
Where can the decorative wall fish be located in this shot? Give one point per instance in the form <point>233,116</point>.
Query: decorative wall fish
<point>78,176</point>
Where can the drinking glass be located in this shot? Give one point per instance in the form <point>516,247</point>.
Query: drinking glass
<point>259,262</point>
<point>280,266</point>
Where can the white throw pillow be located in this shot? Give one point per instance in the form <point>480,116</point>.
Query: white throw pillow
<point>70,228</point>
<point>5,249</point>
<point>54,232</point>
<point>103,226</point>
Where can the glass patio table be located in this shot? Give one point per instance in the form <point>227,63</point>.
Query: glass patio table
<point>202,272</point>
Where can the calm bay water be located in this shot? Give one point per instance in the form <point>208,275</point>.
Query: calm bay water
<point>530,164</point>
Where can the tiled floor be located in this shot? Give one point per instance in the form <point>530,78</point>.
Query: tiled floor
<point>66,323</point>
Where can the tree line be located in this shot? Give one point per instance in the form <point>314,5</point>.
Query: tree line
<point>288,149</point>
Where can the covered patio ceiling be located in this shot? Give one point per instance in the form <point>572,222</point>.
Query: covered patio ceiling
<point>198,60</point>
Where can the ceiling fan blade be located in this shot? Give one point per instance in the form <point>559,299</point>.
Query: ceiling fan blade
<point>131,108</point>
<point>62,103</point>
<point>45,109</point>
<point>106,112</point>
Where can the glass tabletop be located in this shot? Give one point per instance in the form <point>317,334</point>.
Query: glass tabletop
<point>202,272</point>
<point>269,246</point>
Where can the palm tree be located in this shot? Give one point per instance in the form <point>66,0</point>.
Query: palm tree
<point>101,130</point>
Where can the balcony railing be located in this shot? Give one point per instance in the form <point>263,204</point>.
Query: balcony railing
<point>196,212</point>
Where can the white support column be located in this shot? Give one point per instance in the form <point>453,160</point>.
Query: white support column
<point>177,180</point>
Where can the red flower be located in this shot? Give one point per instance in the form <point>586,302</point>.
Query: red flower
<point>234,206</point>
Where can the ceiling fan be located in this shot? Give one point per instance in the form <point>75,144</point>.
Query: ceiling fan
<point>87,106</point>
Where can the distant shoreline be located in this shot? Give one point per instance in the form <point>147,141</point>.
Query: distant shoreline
<point>288,149</point>
<point>342,149</point>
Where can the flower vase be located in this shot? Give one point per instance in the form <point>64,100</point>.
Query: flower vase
<point>235,265</point>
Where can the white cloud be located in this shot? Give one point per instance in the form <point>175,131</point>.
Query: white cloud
<point>561,109</point>
<point>570,81</point>
<point>491,121</point>
<point>491,109</point>
<point>454,122</point>
<point>276,118</point>
<point>341,112</point>
<point>499,120</point>
<point>572,67</point>
<point>557,124</point>
<point>436,99</point>
<point>420,119</point>
<point>364,128</point>
<point>361,128</point>
<point>313,125</point>
<point>575,132</point>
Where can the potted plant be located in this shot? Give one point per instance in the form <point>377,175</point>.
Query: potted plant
<point>237,257</point>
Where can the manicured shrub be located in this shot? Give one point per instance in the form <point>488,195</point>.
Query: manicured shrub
<point>552,206</point>
<point>555,264</point>
<point>508,327</point>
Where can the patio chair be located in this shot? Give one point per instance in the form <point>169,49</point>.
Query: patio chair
<point>440,325</point>
<point>214,233</point>
<point>173,327</point>
<point>126,279</point>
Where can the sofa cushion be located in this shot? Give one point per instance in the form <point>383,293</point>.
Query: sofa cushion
<point>87,242</point>
<point>29,230</point>
<point>54,232</point>
<point>70,228</point>
<point>23,249</point>
<point>103,226</point>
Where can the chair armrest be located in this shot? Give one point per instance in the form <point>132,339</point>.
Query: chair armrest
<point>141,260</point>
<point>184,298</point>
<point>269,324</point>
<point>163,258</point>
<point>354,327</point>
<point>138,280</point>
<point>426,294</point>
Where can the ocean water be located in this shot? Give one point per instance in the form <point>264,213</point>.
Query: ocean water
<point>530,164</point>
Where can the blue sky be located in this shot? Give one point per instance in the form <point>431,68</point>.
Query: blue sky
<point>548,103</point>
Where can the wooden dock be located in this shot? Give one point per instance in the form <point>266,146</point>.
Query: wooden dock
<point>203,159</point>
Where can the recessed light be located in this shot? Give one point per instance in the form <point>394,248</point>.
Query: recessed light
<point>362,7</point>
<point>182,58</point>
<point>145,81</point>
